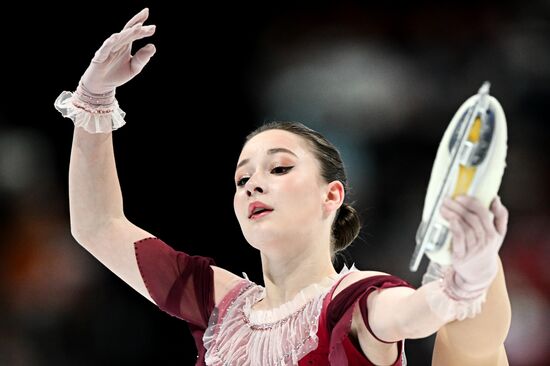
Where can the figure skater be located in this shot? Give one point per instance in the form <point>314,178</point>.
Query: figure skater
<point>290,201</point>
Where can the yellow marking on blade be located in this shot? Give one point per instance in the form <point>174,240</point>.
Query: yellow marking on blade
<point>464,179</point>
<point>475,132</point>
<point>466,173</point>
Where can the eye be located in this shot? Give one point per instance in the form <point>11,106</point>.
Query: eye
<point>281,169</point>
<point>241,182</point>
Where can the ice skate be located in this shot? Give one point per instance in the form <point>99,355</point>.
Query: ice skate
<point>470,160</point>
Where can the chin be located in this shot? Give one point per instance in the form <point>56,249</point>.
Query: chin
<point>266,240</point>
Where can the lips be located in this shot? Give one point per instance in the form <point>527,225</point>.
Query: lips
<point>258,209</point>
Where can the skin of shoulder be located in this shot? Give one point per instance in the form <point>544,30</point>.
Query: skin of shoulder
<point>224,281</point>
<point>376,351</point>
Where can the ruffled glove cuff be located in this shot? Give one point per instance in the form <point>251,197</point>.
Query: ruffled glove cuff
<point>446,298</point>
<point>96,113</point>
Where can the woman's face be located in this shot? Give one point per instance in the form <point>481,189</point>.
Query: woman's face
<point>279,190</point>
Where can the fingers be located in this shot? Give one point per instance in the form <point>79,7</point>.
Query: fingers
<point>141,58</point>
<point>105,49</point>
<point>127,36</point>
<point>112,44</point>
<point>463,240</point>
<point>458,241</point>
<point>469,216</point>
<point>501,216</point>
<point>119,40</point>
<point>140,17</point>
<point>475,206</point>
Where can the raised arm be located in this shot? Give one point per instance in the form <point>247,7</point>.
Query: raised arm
<point>97,217</point>
<point>95,199</point>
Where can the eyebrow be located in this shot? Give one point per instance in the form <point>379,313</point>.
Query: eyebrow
<point>275,150</point>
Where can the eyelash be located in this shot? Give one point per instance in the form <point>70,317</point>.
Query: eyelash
<point>241,182</point>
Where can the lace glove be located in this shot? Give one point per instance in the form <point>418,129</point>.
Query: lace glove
<point>93,105</point>
<point>478,234</point>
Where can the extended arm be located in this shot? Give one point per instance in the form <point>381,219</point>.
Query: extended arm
<point>400,313</point>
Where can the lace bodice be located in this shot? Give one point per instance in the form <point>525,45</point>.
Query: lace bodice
<point>240,335</point>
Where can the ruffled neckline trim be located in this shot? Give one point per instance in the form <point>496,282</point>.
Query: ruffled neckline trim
<point>238,335</point>
<point>268,317</point>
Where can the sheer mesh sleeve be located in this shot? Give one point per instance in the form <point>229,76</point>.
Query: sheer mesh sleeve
<point>340,313</point>
<point>180,284</point>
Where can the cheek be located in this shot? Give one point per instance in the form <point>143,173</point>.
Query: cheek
<point>238,203</point>
<point>304,195</point>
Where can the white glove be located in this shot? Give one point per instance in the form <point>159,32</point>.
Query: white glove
<point>477,235</point>
<point>113,64</point>
<point>93,105</point>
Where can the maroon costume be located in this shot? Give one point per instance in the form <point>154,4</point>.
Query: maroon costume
<point>183,286</point>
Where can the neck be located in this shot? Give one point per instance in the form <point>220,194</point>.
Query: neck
<point>285,276</point>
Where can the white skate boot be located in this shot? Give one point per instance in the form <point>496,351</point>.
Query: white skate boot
<point>470,160</point>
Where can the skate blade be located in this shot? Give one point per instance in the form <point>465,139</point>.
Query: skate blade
<point>470,161</point>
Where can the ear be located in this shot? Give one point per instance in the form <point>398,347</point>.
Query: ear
<point>334,196</point>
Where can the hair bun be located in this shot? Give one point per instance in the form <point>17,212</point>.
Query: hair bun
<point>346,227</point>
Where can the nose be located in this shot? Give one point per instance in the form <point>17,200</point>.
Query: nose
<point>256,189</point>
<point>252,186</point>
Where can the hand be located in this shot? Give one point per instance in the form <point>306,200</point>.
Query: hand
<point>113,64</point>
<point>478,234</point>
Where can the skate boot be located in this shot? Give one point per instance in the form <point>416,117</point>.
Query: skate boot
<point>470,160</point>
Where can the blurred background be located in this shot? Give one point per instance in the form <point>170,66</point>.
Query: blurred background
<point>380,81</point>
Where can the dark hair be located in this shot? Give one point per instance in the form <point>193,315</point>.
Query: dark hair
<point>347,224</point>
